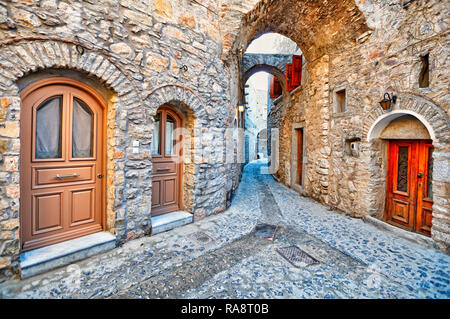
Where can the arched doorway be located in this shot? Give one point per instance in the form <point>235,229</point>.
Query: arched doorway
<point>409,192</point>
<point>62,162</point>
<point>167,152</point>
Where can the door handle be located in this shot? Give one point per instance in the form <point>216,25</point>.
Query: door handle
<point>420,175</point>
<point>66,176</point>
<point>159,169</point>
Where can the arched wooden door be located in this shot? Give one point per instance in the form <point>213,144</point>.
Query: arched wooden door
<point>61,162</point>
<point>167,161</point>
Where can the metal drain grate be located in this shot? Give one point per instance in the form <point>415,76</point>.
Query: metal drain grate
<point>202,238</point>
<point>265,231</point>
<point>296,256</point>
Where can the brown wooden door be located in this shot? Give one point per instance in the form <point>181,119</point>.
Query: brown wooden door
<point>61,163</point>
<point>409,193</point>
<point>299,156</point>
<point>167,165</point>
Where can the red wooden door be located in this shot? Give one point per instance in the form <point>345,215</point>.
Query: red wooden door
<point>167,165</point>
<point>409,192</point>
<point>61,163</point>
<point>425,190</point>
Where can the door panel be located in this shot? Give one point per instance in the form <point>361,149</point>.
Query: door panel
<point>166,153</point>
<point>424,223</point>
<point>164,168</point>
<point>156,194</point>
<point>400,211</point>
<point>169,191</point>
<point>61,163</point>
<point>82,206</point>
<point>48,177</point>
<point>409,185</point>
<point>47,213</point>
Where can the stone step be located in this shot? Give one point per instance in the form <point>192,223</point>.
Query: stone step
<point>43,259</point>
<point>409,235</point>
<point>170,221</point>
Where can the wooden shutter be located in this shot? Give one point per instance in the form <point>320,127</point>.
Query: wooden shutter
<point>272,88</point>
<point>297,72</point>
<point>275,88</point>
<point>289,74</point>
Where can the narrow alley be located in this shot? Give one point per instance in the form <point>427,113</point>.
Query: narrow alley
<point>217,258</point>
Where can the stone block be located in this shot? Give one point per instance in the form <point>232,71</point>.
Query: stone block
<point>3,146</point>
<point>26,18</point>
<point>155,63</point>
<point>188,20</point>
<point>10,129</point>
<point>163,8</point>
<point>9,224</point>
<point>5,262</point>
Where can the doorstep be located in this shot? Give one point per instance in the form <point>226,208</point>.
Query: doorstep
<point>409,235</point>
<point>170,221</point>
<point>43,259</point>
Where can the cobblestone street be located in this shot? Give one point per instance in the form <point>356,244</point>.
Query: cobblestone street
<point>225,260</point>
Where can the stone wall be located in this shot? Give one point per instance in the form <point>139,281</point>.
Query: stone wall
<point>133,52</point>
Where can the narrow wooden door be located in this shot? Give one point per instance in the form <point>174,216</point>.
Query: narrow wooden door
<point>167,165</point>
<point>61,163</point>
<point>425,189</point>
<point>409,189</point>
<point>299,156</point>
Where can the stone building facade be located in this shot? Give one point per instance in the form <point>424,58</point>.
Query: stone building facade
<point>138,55</point>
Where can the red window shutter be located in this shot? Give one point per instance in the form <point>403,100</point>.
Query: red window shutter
<point>289,74</point>
<point>277,87</point>
<point>297,73</point>
<point>272,88</point>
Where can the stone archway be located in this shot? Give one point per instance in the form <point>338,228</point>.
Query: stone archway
<point>318,25</point>
<point>273,70</point>
<point>385,120</point>
<point>429,114</point>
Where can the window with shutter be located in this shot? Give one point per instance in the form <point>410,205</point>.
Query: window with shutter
<point>275,88</point>
<point>289,73</point>
<point>297,72</point>
<point>272,88</point>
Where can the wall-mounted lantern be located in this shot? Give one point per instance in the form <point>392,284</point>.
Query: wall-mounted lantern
<point>387,101</point>
<point>241,108</point>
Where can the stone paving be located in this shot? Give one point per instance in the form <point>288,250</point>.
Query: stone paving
<point>219,257</point>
